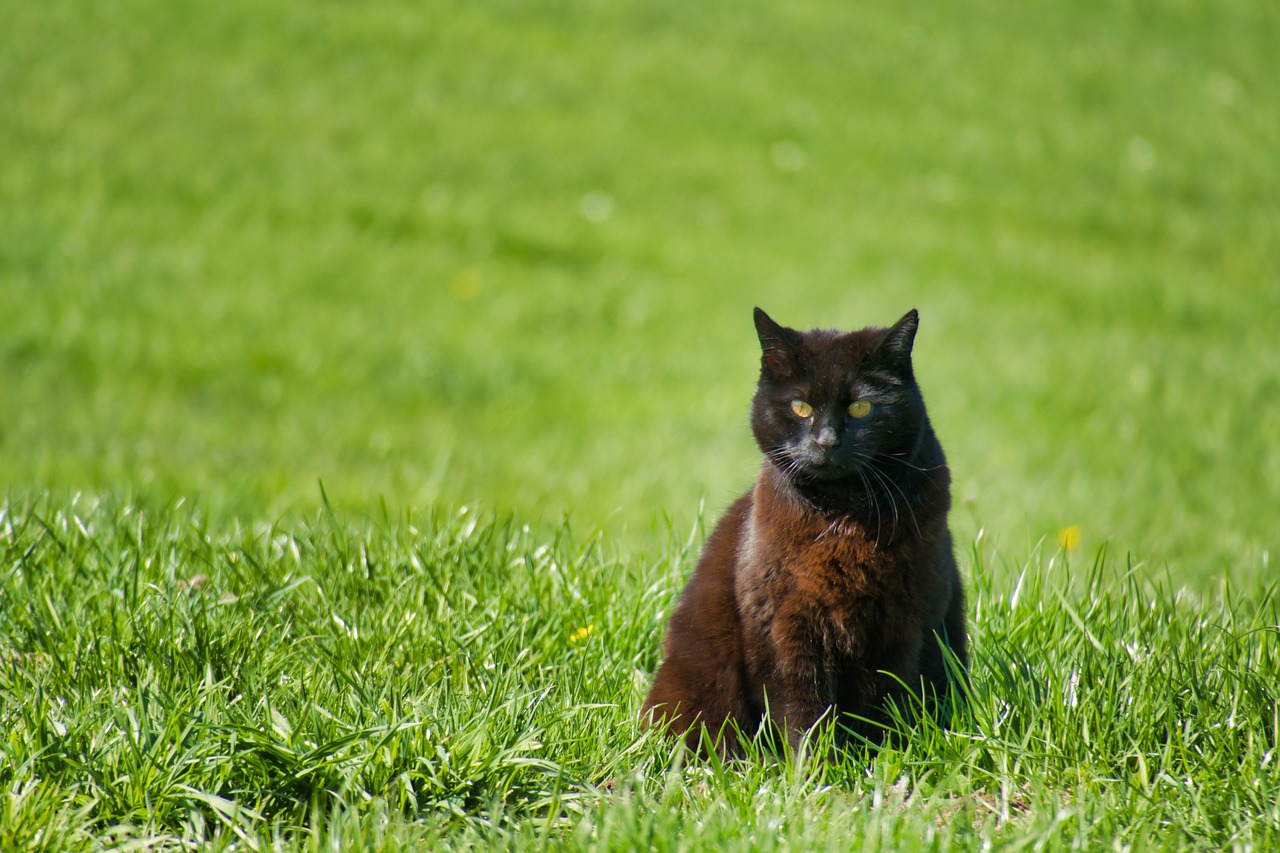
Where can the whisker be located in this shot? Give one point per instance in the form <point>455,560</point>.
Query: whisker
<point>890,485</point>
<point>871,493</point>
<point>784,461</point>
<point>893,504</point>
<point>894,457</point>
<point>906,500</point>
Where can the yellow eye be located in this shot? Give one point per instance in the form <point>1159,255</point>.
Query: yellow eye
<point>859,408</point>
<point>802,409</point>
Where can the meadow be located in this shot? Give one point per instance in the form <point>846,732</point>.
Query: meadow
<point>486,271</point>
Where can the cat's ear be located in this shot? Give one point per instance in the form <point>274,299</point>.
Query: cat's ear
<point>777,344</point>
<point>899,339</point>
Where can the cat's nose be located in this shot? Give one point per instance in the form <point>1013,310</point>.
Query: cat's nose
<point>827,438</point>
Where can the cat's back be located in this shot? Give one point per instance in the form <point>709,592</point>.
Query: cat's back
<point>707,600</point>
<point>701,675</point>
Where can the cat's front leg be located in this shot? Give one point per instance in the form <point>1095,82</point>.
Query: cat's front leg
<point>796,714</point>
<point>801,691</point>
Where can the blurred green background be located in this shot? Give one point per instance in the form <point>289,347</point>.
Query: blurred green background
<point>506,252</point>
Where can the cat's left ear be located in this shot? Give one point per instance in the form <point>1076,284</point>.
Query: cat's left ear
<point>899,339</point>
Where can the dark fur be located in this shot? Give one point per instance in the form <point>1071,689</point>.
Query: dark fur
<point>833,579</point>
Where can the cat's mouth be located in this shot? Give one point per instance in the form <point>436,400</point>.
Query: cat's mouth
<point>816,465</point>
<point>826,470</point>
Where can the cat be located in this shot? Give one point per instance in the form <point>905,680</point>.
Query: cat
<point>832,583</point>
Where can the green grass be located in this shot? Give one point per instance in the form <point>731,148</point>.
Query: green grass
<point>427,680</point>
<point>504,255</point>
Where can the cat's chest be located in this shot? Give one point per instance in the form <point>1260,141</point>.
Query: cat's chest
<point>836,575</point>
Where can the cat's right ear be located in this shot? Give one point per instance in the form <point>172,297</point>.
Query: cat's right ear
<point>777,344</point>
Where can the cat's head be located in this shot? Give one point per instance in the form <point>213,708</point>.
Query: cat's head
<point>836,406</point>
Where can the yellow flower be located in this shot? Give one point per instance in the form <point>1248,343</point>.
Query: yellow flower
<point>581,634</point>
<point>1069,537</point>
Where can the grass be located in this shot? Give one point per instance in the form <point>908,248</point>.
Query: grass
<point>503,255</point>
<point>463,681</point>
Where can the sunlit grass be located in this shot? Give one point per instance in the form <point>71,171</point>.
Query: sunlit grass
<point>408,679</point>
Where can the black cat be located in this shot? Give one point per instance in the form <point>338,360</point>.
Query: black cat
<point>832,582</point>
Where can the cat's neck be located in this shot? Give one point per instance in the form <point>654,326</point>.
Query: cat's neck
<point>888,498</point>
<point>824,501</point>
